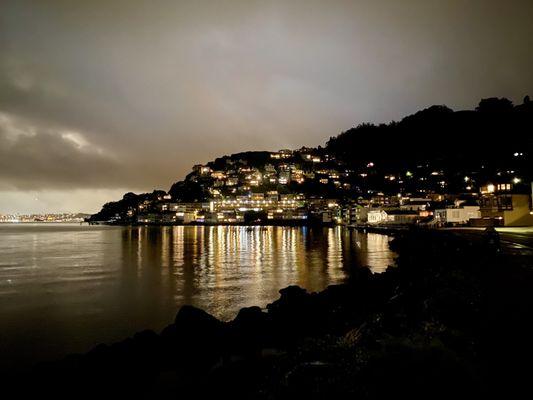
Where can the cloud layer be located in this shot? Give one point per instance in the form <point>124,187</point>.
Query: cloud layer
<point>102,94</point>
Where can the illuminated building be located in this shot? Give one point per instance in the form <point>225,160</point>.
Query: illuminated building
<point>506,209</point>
<point>457,215</point>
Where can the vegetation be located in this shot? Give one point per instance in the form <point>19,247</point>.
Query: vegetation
<point>480,143</point>
<point>121,207</point>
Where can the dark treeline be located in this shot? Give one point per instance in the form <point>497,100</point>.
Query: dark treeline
<point>479,142</point>
<point>491,131</point>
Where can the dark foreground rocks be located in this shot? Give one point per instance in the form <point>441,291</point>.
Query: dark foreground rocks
<point>453,319</point>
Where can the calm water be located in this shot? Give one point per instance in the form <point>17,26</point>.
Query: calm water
<point>65,288</point>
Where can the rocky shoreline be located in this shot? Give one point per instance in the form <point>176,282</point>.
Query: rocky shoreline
<point>453,318</point>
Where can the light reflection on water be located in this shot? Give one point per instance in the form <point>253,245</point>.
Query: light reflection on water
<point>64,288</point>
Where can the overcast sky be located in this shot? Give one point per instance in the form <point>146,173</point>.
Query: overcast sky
<point>102,97</point>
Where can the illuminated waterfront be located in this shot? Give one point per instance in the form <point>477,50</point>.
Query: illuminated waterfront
<point>69,287</point>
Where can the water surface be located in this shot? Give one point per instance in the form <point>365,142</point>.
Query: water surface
<point>65,288</point>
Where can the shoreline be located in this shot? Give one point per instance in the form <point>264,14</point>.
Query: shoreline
<point>438,302</point>
<point>281,223</point>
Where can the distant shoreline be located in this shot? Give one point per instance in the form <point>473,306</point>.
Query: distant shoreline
<point>42,222</point>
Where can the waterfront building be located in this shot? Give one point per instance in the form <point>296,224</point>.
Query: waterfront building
<point>416,204</point>
<point>393,216</point>
<point>233,209</point>
<point>167,206</point>
<point>148,218</point>
<point>376,216</point>
<point>281,214</point>
<point>402,217</point>
<point>272,195</point>
<point>354,214</point>
<point>457,215</point>
<point>506,209</point>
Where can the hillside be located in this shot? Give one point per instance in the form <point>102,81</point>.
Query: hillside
<point>436,150</point>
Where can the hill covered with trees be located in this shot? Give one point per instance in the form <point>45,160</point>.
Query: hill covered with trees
<point>435,150</point>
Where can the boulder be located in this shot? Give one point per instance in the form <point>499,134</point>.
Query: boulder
<point>250,330</point>
<point>195,337</point>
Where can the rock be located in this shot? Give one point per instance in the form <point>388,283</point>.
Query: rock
<point>196,337</point>
<point>291,296</point>
<point>250,330</point>
<point>195,317</point>
<point>145,337</point>
<point>294,315</point>
<point>250,316</point>
<point>194,325</point>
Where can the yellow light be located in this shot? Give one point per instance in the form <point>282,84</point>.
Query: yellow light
<point>490,188</point>
<point>516,180</point>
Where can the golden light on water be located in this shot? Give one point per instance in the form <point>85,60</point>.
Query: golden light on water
<point>101,283</point>
<point>223,268</point>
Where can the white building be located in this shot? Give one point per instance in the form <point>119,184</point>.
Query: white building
<point>376,216</point>
<point>457,216</point>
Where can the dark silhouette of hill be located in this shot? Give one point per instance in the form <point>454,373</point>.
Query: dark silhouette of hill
<point>480,143</point>
<point>452,139</point>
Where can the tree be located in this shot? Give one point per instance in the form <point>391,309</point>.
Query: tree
<point>495,105</point>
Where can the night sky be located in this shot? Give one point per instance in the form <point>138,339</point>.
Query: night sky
<point>98,98</point>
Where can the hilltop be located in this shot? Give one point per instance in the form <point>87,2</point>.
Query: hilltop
<point>434,151</point>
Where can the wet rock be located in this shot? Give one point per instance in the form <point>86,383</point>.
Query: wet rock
<point>292,297</point>
<point>196,338</point>
<point>250,331</point>
<point>294,315</point>
<point>193,325</point>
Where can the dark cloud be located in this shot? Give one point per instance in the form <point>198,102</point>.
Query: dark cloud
<point>157,86</point>
<point>35,158</point>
